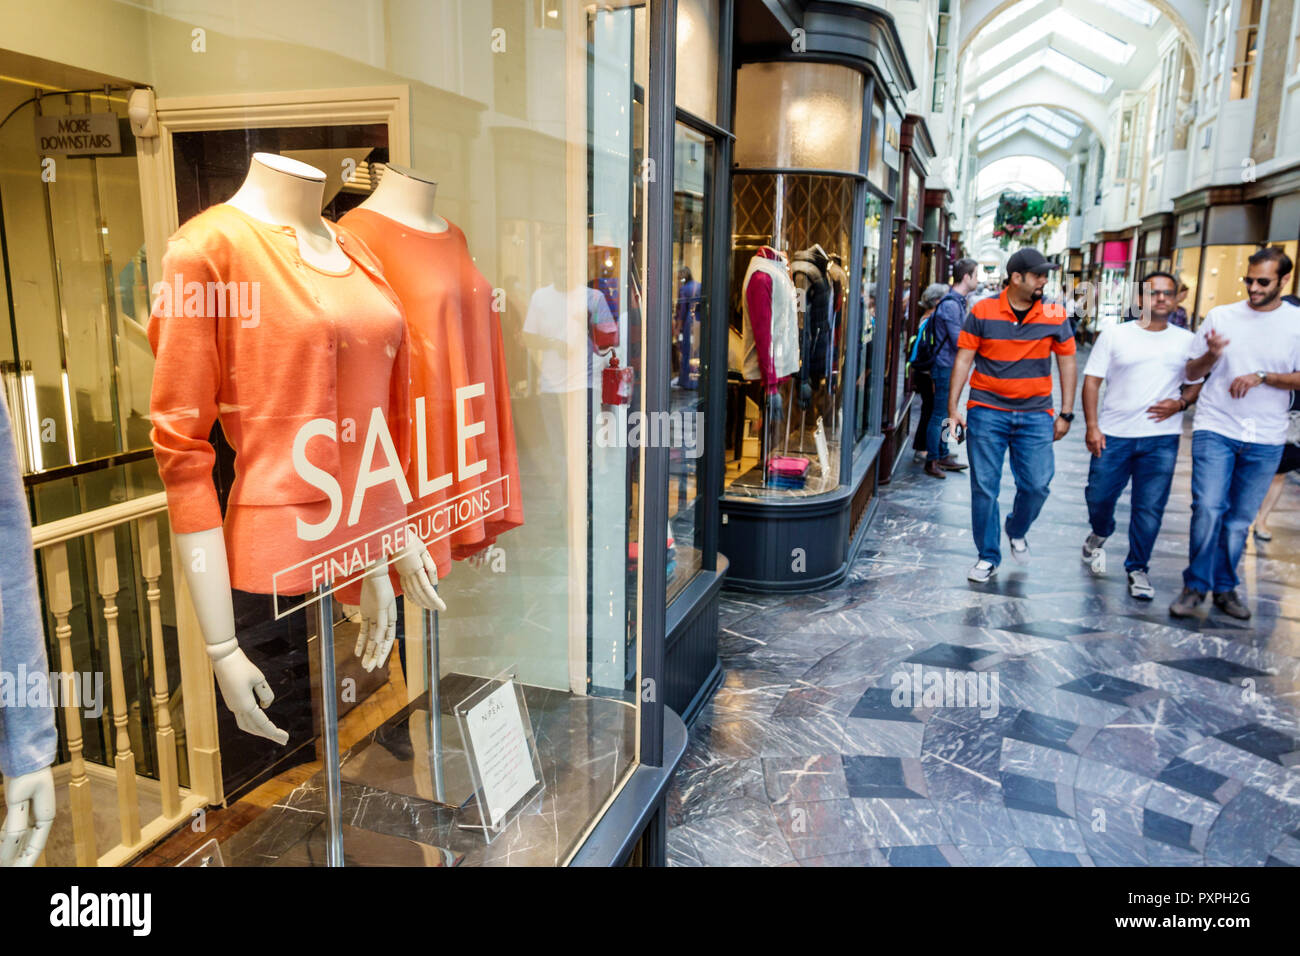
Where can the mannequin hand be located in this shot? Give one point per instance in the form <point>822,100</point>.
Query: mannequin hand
<point>29,801</point>
<point>419,575</point>
<point>245,691</point>
<point>378,618</point>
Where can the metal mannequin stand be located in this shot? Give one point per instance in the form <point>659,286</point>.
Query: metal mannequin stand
<point>330,731</point>
<point>433,676</point>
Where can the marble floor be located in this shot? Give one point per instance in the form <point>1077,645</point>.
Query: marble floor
<point>1056,720</point>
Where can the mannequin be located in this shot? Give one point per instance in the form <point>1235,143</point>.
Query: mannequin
<point>283,193</point>
<point>457,358</point>
<point>27,734</point>
<point>771,331</point>
<point>407,197</point>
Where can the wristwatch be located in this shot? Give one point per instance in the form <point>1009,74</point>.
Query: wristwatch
<point>1067,416</point>
<point>1263,377</point>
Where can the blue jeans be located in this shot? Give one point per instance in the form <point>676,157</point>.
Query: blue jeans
<point>1028,436</point>
<point>935,446</point>
<point>1229,481</point>
<point>1149,461</point>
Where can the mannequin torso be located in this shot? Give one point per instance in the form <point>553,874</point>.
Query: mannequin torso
<point>285,192</point>
<point>406,197</point>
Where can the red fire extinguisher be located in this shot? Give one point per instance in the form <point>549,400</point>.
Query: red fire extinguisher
<point>616,383</point>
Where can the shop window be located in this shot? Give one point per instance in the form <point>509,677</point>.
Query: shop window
<point>467,328</point>
<point>817,122</point>
<point>691,335</point>
<point>876,149</point>
<point>786,387</point>
<point>697,57</point>
<point>1221,270</point>
<point>871,309</point>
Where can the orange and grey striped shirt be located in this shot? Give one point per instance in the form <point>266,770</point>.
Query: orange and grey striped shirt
<point>1013,358</point>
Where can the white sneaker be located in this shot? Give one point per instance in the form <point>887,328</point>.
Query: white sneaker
<point>1091,546</point>
<point>1139,586</point>
<point>982,571</point>
<point>1019,550</point>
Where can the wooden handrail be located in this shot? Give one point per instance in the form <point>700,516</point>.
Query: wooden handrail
<point>76,526</point>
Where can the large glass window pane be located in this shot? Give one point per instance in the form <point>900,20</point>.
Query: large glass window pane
<point>418,238</point>
<point>1187,266</point>
<point>691,330</point>
<point>870,280</point>
<point>798,115</point>
<point>697,57</point>
<point>791,241</point>
<point>1221,270</point>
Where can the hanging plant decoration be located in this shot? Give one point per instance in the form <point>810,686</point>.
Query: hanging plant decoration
<point>1030,219</point>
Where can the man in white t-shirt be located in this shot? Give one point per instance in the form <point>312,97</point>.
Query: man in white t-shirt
<point>1136,434</point>
<point>1251,352</point>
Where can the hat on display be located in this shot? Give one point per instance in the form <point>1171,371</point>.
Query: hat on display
<point>1029,260</point>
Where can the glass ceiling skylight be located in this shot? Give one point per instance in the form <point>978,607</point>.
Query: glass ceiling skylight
<point>1013,12</point>
<point>1045,117</point>
<point>1061,23</point>
<point>1135,10</point>
<point>1030,124</point>
<point>1054,60</point>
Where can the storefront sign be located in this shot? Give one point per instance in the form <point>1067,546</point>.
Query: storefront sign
<point>78,134</point>
<point>1189,225</point>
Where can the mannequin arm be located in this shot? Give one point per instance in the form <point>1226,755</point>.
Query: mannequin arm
<point>243,687</point>
<point>758,296</point>
<point>25,832</point>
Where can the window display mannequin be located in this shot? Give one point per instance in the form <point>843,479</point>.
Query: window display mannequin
<point>327,344</point>
<point>771,324</point>
<point>456,342</point>
<point>770,320</point>
<point>27,734</point>
<point>811,278</point>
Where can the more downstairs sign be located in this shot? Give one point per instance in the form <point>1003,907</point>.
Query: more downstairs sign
<point>78,134</point>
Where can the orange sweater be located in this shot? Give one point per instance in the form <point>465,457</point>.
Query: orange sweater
<point>315,345</point>
<point>456,341</point>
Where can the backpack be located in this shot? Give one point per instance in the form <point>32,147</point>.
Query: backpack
<point>923,348</point>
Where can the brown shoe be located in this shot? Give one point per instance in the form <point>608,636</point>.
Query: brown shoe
<point>951,464</point>
<point>933,470</point>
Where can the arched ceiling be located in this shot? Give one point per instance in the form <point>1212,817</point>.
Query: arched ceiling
<point>1030,59</point>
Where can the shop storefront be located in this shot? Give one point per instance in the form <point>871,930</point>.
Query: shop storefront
<point>1112,278</point>
<point>908,268</point>
<point>1155,244</point>
<point>813,189</point>
<point>1211,248</point>
<point>328,361</point>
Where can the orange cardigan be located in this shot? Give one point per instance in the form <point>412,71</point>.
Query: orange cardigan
<point>318,345</point>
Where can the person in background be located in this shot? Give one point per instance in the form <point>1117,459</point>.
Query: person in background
<point>1289,463</point>
<point>1136,434</point>
<point>1010,340</point>
<point>1251,352</point>
<point>948,318</point>
<point>1180,319</point>
<point>923,380</point>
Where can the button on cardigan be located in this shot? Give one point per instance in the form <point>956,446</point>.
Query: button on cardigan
<point>278,344</point>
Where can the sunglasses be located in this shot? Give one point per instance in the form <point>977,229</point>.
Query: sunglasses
<point>1162,293</point>
<point>1263,283</point>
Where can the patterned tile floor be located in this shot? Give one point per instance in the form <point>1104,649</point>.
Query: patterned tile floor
<point>1108,734</point>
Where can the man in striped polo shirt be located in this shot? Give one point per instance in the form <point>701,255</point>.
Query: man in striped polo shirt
<point>1010,339</point>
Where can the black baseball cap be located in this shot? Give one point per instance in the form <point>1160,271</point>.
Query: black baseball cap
<point>1029,260</point>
